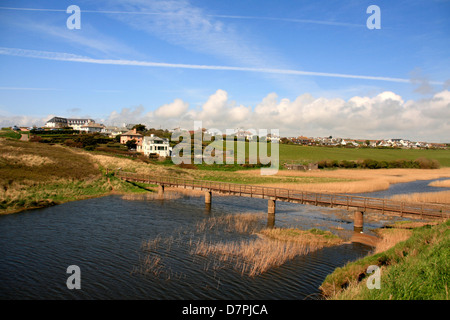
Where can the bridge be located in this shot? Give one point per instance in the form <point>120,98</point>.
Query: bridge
<point>358,204</point>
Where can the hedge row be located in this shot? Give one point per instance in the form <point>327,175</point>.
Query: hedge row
<point>420,163</point>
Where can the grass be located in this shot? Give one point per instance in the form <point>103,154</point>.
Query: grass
<point>312,237</point>
<point>414,269</point>
<point>441,183</point>
<point>441,197</point>
<point>288,152</point>
<point>9,133</point>
<point>272,248</point>
<point>315,153</point>
<point>34,175</point>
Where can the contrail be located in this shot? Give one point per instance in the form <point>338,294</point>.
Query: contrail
<point>323,22</point>
<point>61,56</point>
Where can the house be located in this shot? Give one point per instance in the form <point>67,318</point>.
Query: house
<point>302,140</point>
<point>155,145</point>
<point>112,131</point>
<point>131,135</point>
<point>76,124</point>
<point>57,122</point>
<point>91,127</point>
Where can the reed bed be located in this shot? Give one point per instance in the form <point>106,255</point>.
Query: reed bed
<point>251,257</point>
<point>390,237</point>
<point>241,223</point>
<point>441,197</point>
<point>265,249</point>
<point>441,183</point>
<point>361,180</point>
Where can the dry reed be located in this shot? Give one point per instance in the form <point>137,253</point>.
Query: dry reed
<point>441,197</point>
<point>390,237</point>
<point>365,180</point>
<point>251,257</point>
<point>441,183</point>
<point>241,223</point>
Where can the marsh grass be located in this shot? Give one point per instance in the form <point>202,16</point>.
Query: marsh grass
<point>256,249</point>
<point>441,197</point>
<point>440,183</point>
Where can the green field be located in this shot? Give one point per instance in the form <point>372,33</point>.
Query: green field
<point>297,153</point>
<point>293,152</point>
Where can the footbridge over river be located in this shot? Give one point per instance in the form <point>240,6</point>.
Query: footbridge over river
<point>358,204</point>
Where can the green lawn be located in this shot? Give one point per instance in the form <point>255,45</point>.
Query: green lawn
<point>316,153</point>
<point>293,152</point>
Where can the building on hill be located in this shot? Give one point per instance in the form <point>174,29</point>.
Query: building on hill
<point>77,124</point>
<point>56,122</point>
<point>155,145</point>
<point>112,131</point>
<point>60,122</point>
<point>91,127</point>
<point>131,135</point>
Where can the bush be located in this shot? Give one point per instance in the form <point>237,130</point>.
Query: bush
<point>421,163</point>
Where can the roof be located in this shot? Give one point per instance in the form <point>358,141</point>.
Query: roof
<point>92,125</point>
<point>132,133</point>
<point>57,119</point>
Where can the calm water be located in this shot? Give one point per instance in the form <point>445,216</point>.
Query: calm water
<point>104,238</point>
<point>405,188</point>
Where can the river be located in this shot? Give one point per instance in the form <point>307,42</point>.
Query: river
<point>104,238</point>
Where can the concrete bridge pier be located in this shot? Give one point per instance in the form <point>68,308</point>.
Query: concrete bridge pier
<point>358,220</point>
<point>208,196</point>
<point>161,191</point>
<point>271,205</point>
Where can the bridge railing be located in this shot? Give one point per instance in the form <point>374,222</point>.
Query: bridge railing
<point>425,210</point>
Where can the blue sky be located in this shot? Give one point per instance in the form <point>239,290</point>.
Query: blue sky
<point>304,67</point>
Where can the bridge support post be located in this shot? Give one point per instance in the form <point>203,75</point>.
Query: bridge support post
<point>271,205</point>
<point>160,190</point>
<point>358,221</point>
<point>208,197</point>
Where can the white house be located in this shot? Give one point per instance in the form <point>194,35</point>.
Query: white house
<point>56,122</point>
<point>76,124</point>
<point>113,131</point>
<point>91,127</point>
<point>153,144</point>
<point>59,122</point>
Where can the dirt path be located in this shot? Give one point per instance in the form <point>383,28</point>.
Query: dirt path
<point>24,137</point>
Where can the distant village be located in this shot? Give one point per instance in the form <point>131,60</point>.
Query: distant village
<point>152,144</point>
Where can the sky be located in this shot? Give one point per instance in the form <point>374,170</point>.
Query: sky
<point>311,68</point>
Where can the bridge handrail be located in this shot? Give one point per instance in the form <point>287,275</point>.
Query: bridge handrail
<point>307,196</point>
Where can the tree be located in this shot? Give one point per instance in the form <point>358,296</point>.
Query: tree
<point>131,144</point>
<point>140,127</point>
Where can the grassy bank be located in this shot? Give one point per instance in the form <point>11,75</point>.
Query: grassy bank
<point>34,175</point>
<point>413,269</point>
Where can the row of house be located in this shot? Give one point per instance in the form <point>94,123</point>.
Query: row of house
<point>394,143</point>
<point>148,144</point>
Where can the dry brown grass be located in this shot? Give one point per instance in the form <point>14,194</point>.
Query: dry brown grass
<point>27,160</point>
<point>251,257</point>
<point>365,180</point>
<point>390,237</point>
<point>242,223</point>
<point>441,197</point>
<point>441,183</point>
<point>314,238</point>
<point>272,247</point>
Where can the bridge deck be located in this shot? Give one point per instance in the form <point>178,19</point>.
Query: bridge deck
<point>385,206</point>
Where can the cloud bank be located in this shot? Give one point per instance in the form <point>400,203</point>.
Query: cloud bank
<point>386,115</point>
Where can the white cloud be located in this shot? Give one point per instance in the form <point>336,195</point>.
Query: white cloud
<point>383,116</point>
<point>172,110</point>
